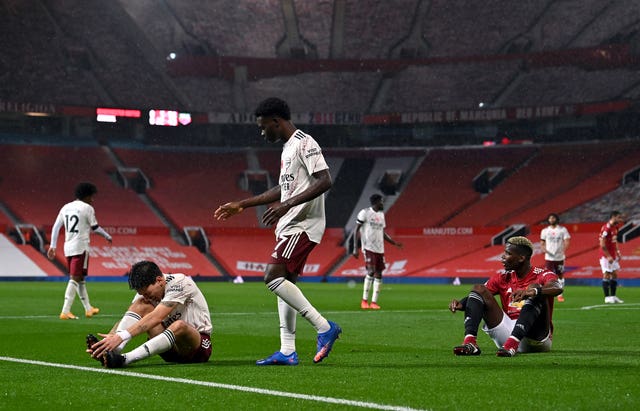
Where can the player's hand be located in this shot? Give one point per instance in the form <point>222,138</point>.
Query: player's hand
<point>108,343</point>
<point>273,213</point>
<point>227,210</point>
<point>355,254</point>
<point>454,306</point>
<point>399,245</point>
<point>110,240</point>
<point>51,253</point>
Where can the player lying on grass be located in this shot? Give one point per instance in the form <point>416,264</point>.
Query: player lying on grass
<point>170,309</point>
<point>523,324</point>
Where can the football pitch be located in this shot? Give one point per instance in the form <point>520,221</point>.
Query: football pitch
<point>398,358</point>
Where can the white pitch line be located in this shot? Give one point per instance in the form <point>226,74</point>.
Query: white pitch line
<point>631,306</point>
<point>254,390</point>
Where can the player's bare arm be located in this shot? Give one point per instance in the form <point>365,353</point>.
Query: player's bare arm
<point>149,321</point>
<point>235,207</point>
<point>392,241</point>
<point>321,183</point>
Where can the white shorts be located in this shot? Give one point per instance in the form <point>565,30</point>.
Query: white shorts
<point>502,331</point>
<point>608,267</point>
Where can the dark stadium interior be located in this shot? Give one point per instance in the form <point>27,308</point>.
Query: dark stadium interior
<point>488,115</point>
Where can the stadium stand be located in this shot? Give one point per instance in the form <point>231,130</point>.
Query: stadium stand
<point>442,186</point>
<point>205,179</point>
<point>366,33</point>
<point>204,19</point>
<point>37,180</point>
<point>520,192</point>
<point>534,54</point>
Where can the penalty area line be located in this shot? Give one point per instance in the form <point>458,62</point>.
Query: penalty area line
<point>253,390</point>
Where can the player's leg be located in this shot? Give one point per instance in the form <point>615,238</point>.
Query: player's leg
<point>606,280</point>
<point>379,266</point>
<point>533,323</point>
<point>75,276</point>
<point>480,305</point>
<point>614,284</point>
<point>368,281</point>
<point>559,270</point>
<point>289,259</point>
<point>89,310</point>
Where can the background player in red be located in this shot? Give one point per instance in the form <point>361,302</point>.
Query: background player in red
<point>610,257</point>
<point>554,240</point>
<point>523,323</point>
<point>79,220</point>
<point>298,211</point>
<point>370,225</point>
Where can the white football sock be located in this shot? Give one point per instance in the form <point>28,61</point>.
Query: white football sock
<point>158,344</point>
<point>287,327</point>
<point>69,296</point>
<point>368,280</point>
<point>84,295</point>
<point>292,295</point>
<point>127,321</point>
<point>377,283</point>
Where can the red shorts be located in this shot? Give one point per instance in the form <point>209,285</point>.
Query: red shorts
<point>78,264</point>
<point>200,354</point>
<point>374,260</point>
<point>292,251</point>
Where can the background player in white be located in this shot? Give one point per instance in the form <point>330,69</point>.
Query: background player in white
<point>79,219</point>
<point>170,309</point>
<point>298,209</point>
<point>554,240</point>
<point>370,225</point>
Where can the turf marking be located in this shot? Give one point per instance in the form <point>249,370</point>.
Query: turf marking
<point>625,306</point>
<point>254,390</point>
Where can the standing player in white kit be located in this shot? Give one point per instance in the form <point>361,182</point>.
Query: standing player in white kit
<point>298,210</point>
<point>79,219</point>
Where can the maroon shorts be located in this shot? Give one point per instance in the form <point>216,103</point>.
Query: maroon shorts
<point>556,267</point>
<point>374,260</point>
<point>200,354</point>
<point>292,251</point>
<point>78,264</point>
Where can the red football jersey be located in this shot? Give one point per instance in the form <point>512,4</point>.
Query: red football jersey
<point>508,282</point>
<point>610,235</point>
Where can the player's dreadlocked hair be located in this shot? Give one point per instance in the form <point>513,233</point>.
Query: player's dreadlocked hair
<point>84,190</point>
<point>143,274</point>
<point>273,106</point>
<point>523,245</point>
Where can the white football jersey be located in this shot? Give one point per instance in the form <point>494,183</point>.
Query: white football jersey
<point>301,158</point>
<point>554,242</point>
<point>372,226</point>
<point>77,217</point>
<point>192,307</point>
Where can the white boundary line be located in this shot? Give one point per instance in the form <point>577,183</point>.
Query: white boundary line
<point>625,306</point>
<point>262,391</point>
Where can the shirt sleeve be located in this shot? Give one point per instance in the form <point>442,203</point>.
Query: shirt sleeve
<point>311,156</point>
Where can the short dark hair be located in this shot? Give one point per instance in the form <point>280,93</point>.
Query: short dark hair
<point>614,213</point>
<point>273,106</point>
<point>143,274</point>
<point>85,190</point>
<point>375,198</point>
<point>522,244</point>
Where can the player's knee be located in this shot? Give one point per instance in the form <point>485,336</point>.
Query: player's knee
<point>179,327</point>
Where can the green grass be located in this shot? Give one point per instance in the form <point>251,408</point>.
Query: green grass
<point>400,356</point>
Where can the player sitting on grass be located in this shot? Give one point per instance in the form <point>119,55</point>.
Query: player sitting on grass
<point>171,309</point>
<point>523,324</point>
